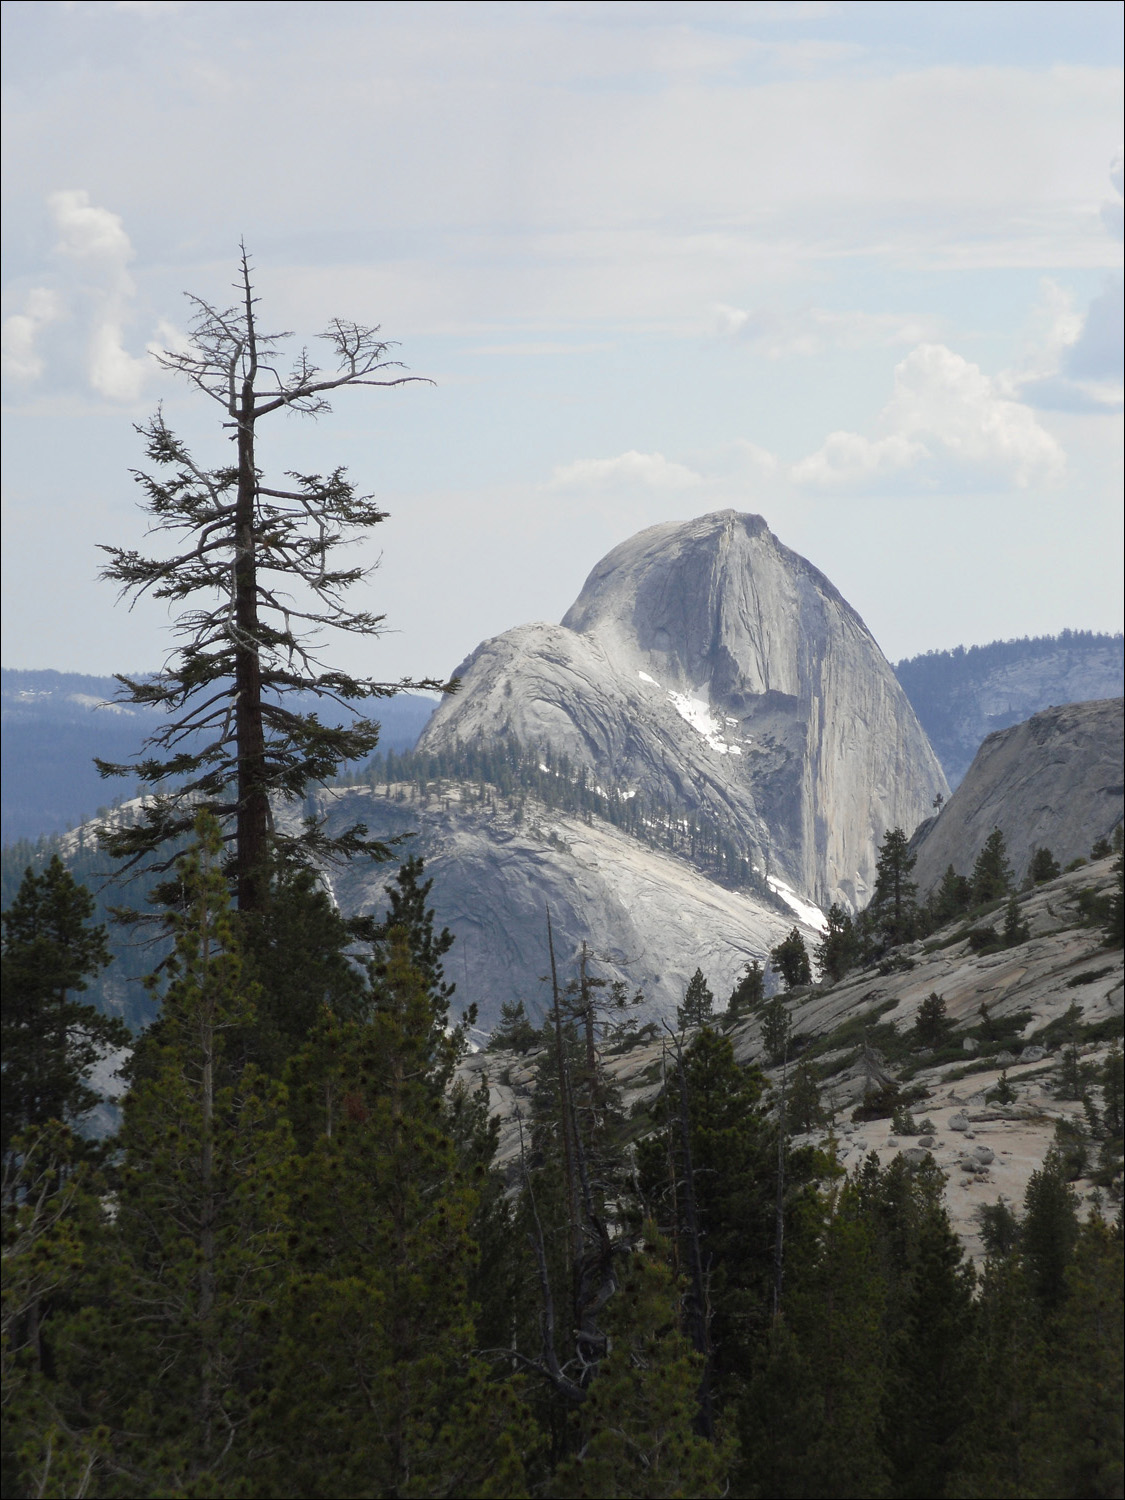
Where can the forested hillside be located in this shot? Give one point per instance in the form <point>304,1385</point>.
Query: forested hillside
<point>319,1278</point>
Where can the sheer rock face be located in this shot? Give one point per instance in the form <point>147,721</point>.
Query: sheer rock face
<point>707,665</point>
<point>1053,782</point>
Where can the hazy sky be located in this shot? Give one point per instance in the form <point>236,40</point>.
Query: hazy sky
<point>855,267</point>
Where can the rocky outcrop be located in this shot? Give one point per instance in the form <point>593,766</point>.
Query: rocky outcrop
<point>647,918</point>
<point>708,666</point>
<point>961,696</point>
<point>1053,782</point>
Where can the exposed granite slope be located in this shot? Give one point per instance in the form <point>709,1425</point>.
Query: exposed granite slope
<point>648,917</point>
<point>709,665</point>
<point>1056,782</point>
<point>1032,985</point>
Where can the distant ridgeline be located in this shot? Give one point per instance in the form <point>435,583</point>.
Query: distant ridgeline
<point>503,770</point>
<point>962,696</point>
<point>54,723</point>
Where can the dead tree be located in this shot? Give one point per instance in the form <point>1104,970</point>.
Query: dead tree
<point>253,568</point>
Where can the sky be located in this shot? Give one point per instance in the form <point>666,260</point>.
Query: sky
<point>856,268</point>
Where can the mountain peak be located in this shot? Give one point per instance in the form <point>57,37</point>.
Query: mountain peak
<point>712,668</point>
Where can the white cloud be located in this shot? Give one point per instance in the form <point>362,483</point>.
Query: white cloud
<point>92,252</point>
<point>947,423</point>
<point>776,332</point>
<point>21,356</point>
<point>86,231</point>
<point>649,470</point>
<point>850,460</point>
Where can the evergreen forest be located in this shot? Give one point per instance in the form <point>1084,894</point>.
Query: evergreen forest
<point>296,1268</point>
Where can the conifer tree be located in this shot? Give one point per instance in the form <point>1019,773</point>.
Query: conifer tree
<point>637,1426</point>
<point>51,1040</point>
<point>777,1029</point>
<point>748,993</point>
<point>803,1104</point>
<point>809,1421</point>
<point>838,950</point>
<point>996,1450</point>
<point>791,960</point>
<point>255,567</point>
<point>716,1199</point>
<point>992,874</point>
<point>1076,1438</point>
<point>932,1026</point>
<point>1015,929</point>
<point>301,955</point>
<point>697,1003</point>
<point>1043,867</point>
<point>893,904</point>
<point>953,896</point>
<point>408,917</point>
<point>375,1380</point>
<point>1049,1231</point>
<point>177,1323</point>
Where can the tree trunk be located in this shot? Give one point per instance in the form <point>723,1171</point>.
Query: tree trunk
<point>253,792</point>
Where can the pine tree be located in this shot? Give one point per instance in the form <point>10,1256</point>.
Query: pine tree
<point>1113,1092</point>
<point>410,918</point>
<point>50,1198</point>
<point>1114,927</point>
<point>953,896</point>
<point>697,1003</point>
<point>1049,1231</point>
<point>992,875</point>
<point>375,1382</point>
<point>928,1323</point>
<point>242,550</point>
<point>838,950</point>
<point>637,1434</point>
<point>748,993</point>
<point>803,1104</point>
<point>932,1026</point>
<point>177,1324</point>
<point>809,1421</point>
<point>1077,1442</point>
<point>1043,867</point>
<point>791,960</point>
<point>720,1215</point>
<point>300,953</point>
<point>51,1040</point>
<point>777,1029</point>
<point>996,1450</point>
<point>893,905</point>
<point>1015,930</point>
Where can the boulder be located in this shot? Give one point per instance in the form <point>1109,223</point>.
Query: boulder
<point>959,1122</point>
